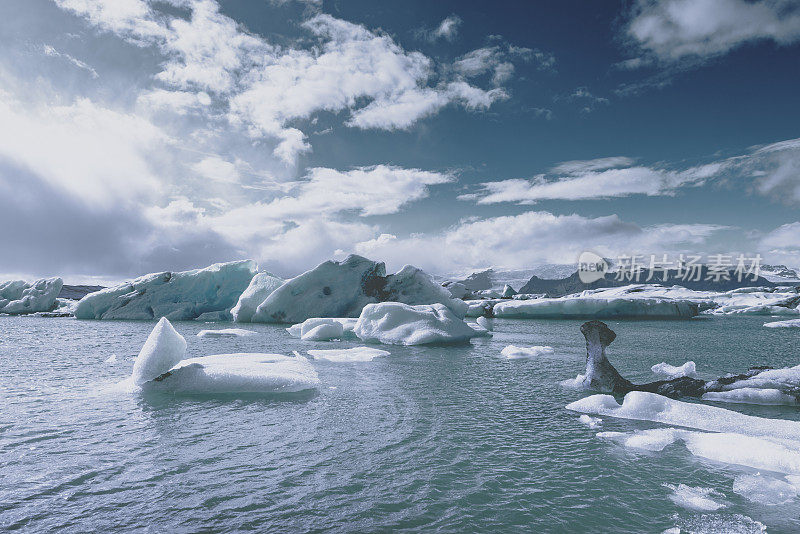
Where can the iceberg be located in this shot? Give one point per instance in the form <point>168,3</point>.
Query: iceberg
<point>791,323</point>
<point>591,306</point>
<point>181,296</point>
<point>356,354</point>
<point>342,289</point>
<point>18,296</point>
<point>301,329</point>
<point>487,323</point>
<point>261,286</point>
<point>324,332</point>
<point>226,332</point>
<point>396,323</point>
<point>670,371</point>
<point>746,395</point>
<point>160,366</point>
<point>512,352</point>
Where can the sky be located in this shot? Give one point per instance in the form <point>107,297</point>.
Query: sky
<point>140,136</point>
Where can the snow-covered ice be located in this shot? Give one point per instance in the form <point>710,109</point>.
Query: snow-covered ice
<point>226,332</point>
<point>764,489</point>
<point>768,397</point>
<point>513,352</point>
<point>200,293</point>
<point>18,296</point>
<point>164,348</point>
<point>324,332</point>
<point>695,498</point>
<point>355,354</point>
<point>790,323</point>
<point>596,307</point>
<point>670,371</point>
<point>402,324</point>
<point>300,329</point>
<point>261,286</point>
<point>487,323</point>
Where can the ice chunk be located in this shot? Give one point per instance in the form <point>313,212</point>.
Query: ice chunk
<point>752,396</point>
<point>111,359</point>
<point>671,371</point>
<point>695,498</point>
<point>457,290</point>
<point>324,332</point>
<point>486,323</point>
<point>595,307</point>
<point>591,422</point>
<point>261,286</point>
<point>764,489</point>
<point>356,354</point>
<point>226,332</point>
<point>507,292</point>
<point>791,323</point>
<point>402,324</point>
<point>648,440</point>
<point>716,523</point>
<point>17,296</point>
<point>164,348</point>
<point>513,352</point>
<point>177,296</point>
<point>237,373</point>
<point>645,406</point>
<point>299,329</point>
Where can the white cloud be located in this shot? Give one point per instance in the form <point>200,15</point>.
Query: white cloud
<point>497,60</point>
<point>532,237</point>
<point>585,98</point>
<point>599,164</point>
<point>217,169</point>
<point>52,52</point>
<point>782,245</point>
<point>448,28</point>
<point>676,29</point>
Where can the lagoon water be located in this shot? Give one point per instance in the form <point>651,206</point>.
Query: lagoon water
<point>448,438</point>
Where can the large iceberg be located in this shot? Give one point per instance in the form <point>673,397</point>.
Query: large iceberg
<point>596,307</point>
<point>396,323</point>
<point>160,366</point>
<point>342,289</point>
<point>18,296</point>
<point>205,294</point>
<point>261,286</point>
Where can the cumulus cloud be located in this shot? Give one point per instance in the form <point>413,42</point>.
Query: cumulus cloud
<point>520,241</point>
<point>673,30</point>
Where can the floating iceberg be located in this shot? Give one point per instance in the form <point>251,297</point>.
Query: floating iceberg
<point>301,329</point>
<point>401,324</point>
<point>670,371</point>
<point>487,323</point>
<point>597,307</point>
<point>746,395</point>
<point>512,352</point>
<point>342,289</point>
<point>261,286</point>
<point>160,367</point>
<point>324,332</point>
<point>226,332</point>
<point>200,293</point>
<point>589,421</point>
<point>356,354</point>
<point>18,296</point>
<point>791,323</point>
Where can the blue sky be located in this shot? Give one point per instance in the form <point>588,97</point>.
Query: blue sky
<point>143,136</point>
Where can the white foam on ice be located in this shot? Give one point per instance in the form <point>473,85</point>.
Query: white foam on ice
<point>226,332</point>
<point>695,498</point>
<point>591,422</point>
<point>644,406</point>
<point>513,352</point>
<point>791,323</point>
<point>207,293</point>
<point>324,332</point>
<point>400,324</point>
<point>671,371</point>
<point>355,354</point>
<point>764,489</point>
<point>768,397</point>
<point>237,373</point>
<point>164,348</point>
<point>261,286</point>
<point>18,296</point>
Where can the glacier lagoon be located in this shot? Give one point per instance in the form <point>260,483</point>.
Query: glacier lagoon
<point>454,438</point>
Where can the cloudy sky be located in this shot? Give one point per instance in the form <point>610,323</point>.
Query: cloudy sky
<point>150,135</point>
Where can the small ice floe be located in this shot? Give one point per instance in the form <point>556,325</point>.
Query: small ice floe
<point>356,354</point>
<point>160,366</point>
<point>512,352</point>
<point>591,422</point>
<point>768,397</point>
<point>111,359</point>
<point>401,324</point>
<point>670,371</point>
<point>487,323</point>
<point>764,489</point>
<point>226,332</point>
<point>713,523</point>
<point>323,328</point>
<point>695,498</point>
<point>791,323</point>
